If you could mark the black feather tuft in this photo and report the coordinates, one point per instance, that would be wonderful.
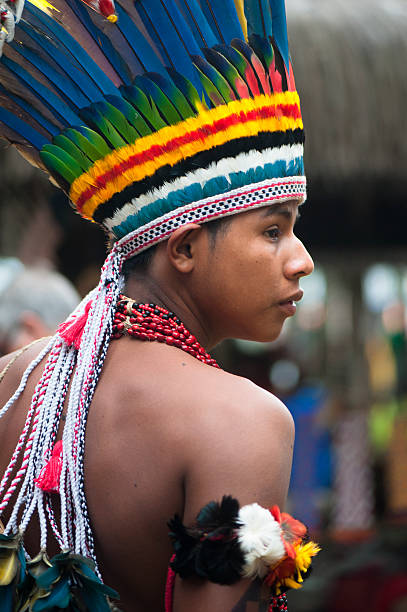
(215, 515)
(210, 549)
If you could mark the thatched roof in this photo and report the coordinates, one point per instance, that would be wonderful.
(350, 62)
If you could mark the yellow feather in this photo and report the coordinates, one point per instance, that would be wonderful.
(44, 6)
(8, 567)
(291, 583)
(239, 4)
(304, 554)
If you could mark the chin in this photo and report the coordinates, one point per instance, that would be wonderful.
(268, 335)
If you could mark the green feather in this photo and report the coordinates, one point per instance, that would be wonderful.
(219, 85)
(139, 100)
(226, 69)
(175, 96)
(92, 116)
(214, 95)
(242, 65)
(65, 143)
(89, 141)
(263, 49)
(132, 116)
(118, 120)
(186, 87)
(65, 157)
(57, 166)
(165, 107)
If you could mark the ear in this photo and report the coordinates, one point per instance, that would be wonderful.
(183, 245)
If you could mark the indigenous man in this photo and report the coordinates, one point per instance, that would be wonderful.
(168, 433)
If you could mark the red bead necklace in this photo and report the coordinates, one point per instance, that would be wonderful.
(152, 322)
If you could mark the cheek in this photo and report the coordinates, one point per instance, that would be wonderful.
(244, 282)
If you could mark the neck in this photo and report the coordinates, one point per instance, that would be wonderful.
(145, 290)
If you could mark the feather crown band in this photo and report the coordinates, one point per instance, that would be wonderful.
(144, 108)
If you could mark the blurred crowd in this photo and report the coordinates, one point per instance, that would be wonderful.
(33, 301)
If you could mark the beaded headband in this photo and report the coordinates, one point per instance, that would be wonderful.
(161, 114)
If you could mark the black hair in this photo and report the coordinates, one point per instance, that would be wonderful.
(141, 262)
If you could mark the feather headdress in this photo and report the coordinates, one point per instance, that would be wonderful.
(149, 114)
(152, 114)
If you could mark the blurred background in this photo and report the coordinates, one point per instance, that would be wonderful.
(341, 363)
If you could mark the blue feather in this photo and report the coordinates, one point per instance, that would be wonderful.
(259, 19)
(197, 22)
(175, 44)
(103, 42)
(145, 54)
(59, 597)
(7, 597)
(76, 77)
(280, 28)
(64, 84)
(63, 112)
(28, 108)
(22, 128)
(223, 19)
(57, 32)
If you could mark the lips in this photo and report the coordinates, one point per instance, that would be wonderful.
(295, 297)
(288, 305)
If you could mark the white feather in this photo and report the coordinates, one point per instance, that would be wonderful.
(260, 540)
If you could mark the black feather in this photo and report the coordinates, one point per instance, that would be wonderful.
(210, 549)
(214, 515)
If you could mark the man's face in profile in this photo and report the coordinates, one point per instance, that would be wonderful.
(250, 279)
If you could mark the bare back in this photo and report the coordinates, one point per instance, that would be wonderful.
(165, 435)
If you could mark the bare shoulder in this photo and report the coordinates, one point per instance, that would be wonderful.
(214, 397)
(220, 433)
(178, 389)
(225, 434)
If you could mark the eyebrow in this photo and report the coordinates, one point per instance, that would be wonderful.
(281, 209)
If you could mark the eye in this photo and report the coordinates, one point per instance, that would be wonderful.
(274, 233)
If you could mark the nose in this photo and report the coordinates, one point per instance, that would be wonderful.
(299, 263)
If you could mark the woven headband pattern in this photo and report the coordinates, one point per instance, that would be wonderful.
(240, 200)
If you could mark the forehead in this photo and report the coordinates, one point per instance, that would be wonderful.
(289, 210)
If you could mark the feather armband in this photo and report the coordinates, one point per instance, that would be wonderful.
(228, 543)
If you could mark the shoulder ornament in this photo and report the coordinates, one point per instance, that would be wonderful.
(229, 542)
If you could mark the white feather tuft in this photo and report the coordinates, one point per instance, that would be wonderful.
(260, 540)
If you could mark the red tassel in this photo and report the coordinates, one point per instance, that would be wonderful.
(48, 480)
(71, 331)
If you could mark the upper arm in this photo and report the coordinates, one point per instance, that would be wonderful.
(202, 596)
(242, 447)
